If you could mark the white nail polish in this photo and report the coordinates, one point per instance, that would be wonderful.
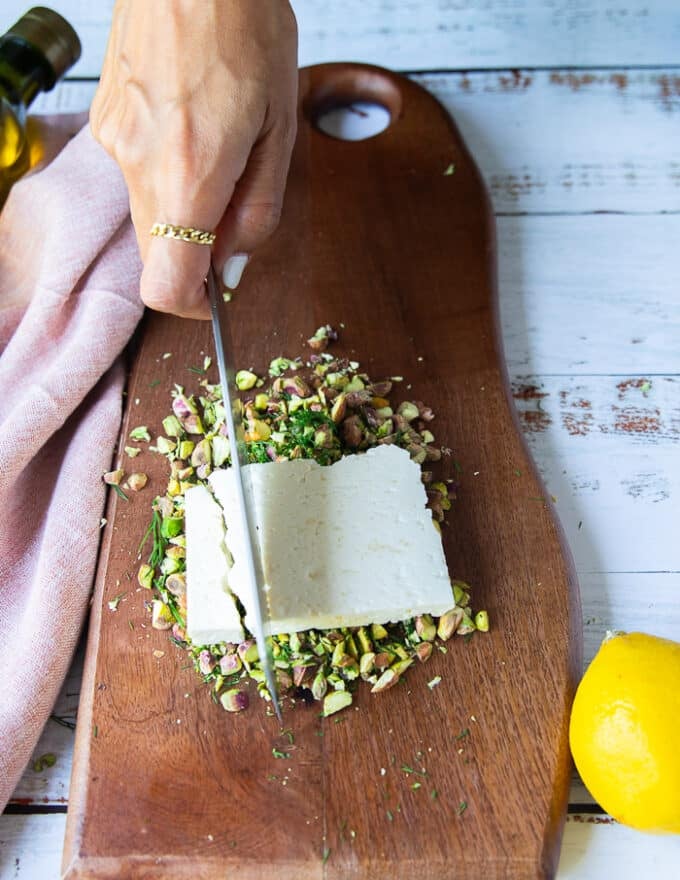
(233, 269)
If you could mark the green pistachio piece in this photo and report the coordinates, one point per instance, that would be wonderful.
(234, 700)
(161, 615)
(387, 680)
(335, 701)
(449, 622)
(164, 445)
(145, 576)
(319, 685)
(365, 644)
(367, 664)
(172, 526)
(426, 628)
(245, 380)
(186, 447)
(172, 426)
(408, 410)
(482, 621)
(140, 433)
(378, 632)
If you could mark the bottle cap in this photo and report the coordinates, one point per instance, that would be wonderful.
(49, 33)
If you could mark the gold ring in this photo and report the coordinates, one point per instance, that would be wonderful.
(182, 233)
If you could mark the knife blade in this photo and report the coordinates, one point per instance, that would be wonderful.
(234, 418)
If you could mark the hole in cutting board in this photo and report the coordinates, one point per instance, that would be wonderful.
(356, 121)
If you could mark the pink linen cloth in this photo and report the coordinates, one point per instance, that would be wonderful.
(69, 302)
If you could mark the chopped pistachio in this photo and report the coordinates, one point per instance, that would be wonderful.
(176, 584)
(449, 622)
(145, 576)
(386, 680)
(114, 478)
(227, 296)
(221, 450)
(132, 451)
(335, 701)
(378, 631)
(44, 761)
(482, 621)
(230, 663)
(140, 433)
(164, 445)
(245, 380)
(424, 651)
(432, 684)
(466, 626)
(137, 481)
(172, 426)
(319, 685)
(408, 410)
(425, 627)
(234, 700)
(171, 526)
(113, 603)
(202, 453)
(161, 615)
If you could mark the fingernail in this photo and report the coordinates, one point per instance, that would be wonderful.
(233, 269)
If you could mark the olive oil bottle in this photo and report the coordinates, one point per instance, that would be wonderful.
(34, 54)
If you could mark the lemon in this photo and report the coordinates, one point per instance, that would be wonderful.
(625, 730)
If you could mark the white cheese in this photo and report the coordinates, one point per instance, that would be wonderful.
(211, 611)
(344, 545)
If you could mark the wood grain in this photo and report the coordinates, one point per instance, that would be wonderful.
(440, 34)
(374, 237)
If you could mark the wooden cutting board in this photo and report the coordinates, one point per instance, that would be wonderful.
(377, 239)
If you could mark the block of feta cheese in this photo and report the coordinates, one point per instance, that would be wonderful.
(211, 611)
(349, 544)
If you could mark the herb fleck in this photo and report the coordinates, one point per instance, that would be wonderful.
(141, 432)
(119, 492)
(44, 761)
(434, 794)
(464, 732)
(462, 807)
(434, 682)
(325, 855)
(390, 816)
(277, 753)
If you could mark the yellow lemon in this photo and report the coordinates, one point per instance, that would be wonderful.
(625, 730)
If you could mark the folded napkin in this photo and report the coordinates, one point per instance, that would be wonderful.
(69, 302)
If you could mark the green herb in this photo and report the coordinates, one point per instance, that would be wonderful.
(95, 731)
(197, 370)
(434, 794)
(390, 816)
(289, 736)
(113, 603)
(464, 732)
(407, 769)
(44, 761)
(119, 492)
(518, 472)
(140, 433)
(416, 785)
(277, 753)
(325, 855)
(131, 624)
(462, 807)
(154, 383)
(64, 722)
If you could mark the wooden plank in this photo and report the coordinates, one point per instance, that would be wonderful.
(593, 847)
(597, 847)
(611, 461)
(570, 141)
(50, 786)
(324, 271)
(426, 35)
(30, 846)
(549, 141)
(592, 294)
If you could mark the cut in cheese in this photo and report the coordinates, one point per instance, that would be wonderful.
(345, 545)
(211, 611)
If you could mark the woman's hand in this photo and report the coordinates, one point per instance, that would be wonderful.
(198, 105)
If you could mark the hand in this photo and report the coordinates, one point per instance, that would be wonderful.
(198, 105)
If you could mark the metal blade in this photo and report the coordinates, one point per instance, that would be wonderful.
(234, 418)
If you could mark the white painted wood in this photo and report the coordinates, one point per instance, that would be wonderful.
(611, 458)
(441, 34)
(548, 141)
(590, 294)
(556, 141)
(51, 785)
(596, 848)
(31, 846)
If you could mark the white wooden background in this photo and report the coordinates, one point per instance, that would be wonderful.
(572, 109)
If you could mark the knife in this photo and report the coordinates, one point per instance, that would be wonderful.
(234, 418)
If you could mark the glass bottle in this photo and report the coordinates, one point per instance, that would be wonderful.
(34, 54)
